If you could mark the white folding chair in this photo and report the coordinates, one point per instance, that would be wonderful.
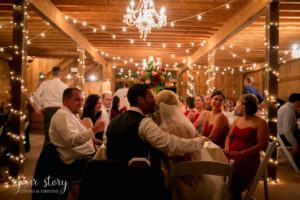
(261, 173)
(198, 168)
(287, 153)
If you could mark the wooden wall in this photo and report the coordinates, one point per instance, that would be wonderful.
(4, 81)
(289, 79)
(229, 83)
(35, 67)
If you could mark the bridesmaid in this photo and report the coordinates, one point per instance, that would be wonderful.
(216, 125)
(247, 137)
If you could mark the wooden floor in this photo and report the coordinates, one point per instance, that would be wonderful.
(287, 188)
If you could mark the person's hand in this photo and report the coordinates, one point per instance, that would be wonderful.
(236, 155)
(97, 143)
(226, 150)
(39, 111)
(98, 126)
(201, 140)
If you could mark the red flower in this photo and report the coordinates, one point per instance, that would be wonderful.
(157, 76)
(154, 83)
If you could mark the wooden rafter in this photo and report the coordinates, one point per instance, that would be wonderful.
(240, 20)
(48, 11)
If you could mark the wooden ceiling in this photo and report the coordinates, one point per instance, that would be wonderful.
(242, 26)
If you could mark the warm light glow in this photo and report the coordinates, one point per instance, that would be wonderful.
(92, 77)
(145, 17)
(295, 51)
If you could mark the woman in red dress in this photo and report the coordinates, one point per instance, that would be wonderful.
(200, 114)
(216, 126)
(247, 137)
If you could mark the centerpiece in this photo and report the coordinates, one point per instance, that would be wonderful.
(154, 75)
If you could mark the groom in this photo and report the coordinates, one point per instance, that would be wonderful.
(132, 134)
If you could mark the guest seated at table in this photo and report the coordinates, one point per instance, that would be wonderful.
(200, 114)
(91, 112)
(216, 125)
(72, 139)
(246, 139)
(232, 115)
(288, 127)
(191, 111)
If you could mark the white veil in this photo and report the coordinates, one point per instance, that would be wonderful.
(172, 118)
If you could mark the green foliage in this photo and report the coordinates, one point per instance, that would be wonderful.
(155, 76)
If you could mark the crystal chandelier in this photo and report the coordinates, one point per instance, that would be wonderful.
(145, 17)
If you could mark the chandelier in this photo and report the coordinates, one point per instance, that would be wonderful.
(145, 17)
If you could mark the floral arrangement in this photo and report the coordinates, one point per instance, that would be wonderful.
(155, 76)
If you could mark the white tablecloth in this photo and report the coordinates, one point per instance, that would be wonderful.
(212, 152)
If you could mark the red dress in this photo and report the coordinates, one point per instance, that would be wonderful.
(220, 141)
(245, 166)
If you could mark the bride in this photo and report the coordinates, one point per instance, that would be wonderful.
(175, 122)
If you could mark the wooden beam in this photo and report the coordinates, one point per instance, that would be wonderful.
(5, 56)
(240, 20)
(51, 53)
(47, 10)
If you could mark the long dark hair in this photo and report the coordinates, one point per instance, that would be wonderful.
(115, 103)
(89, 107)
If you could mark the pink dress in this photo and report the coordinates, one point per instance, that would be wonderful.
(219, 141)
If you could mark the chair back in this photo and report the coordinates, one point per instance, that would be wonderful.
(287, 154)
(198, 168)
(262, 170)
(115, 179)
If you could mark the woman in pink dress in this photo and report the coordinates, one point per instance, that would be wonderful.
(216, 126)
(247, 137)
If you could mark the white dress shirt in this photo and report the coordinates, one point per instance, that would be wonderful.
(49, 93)
(122, 94)
(105, 116)
(286, 122)
(72, 139)
(169, 144)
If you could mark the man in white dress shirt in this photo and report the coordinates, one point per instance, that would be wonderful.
(72, 139)
(106, 106)
(48, 98)
(287, 125)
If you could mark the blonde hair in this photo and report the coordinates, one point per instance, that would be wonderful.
(168, 97)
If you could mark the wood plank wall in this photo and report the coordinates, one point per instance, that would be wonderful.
(289, 79)
(35, 67)
(229, 83)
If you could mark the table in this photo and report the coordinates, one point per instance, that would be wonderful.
(212, 152)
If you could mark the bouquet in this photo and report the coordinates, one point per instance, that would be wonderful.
(155, 76)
